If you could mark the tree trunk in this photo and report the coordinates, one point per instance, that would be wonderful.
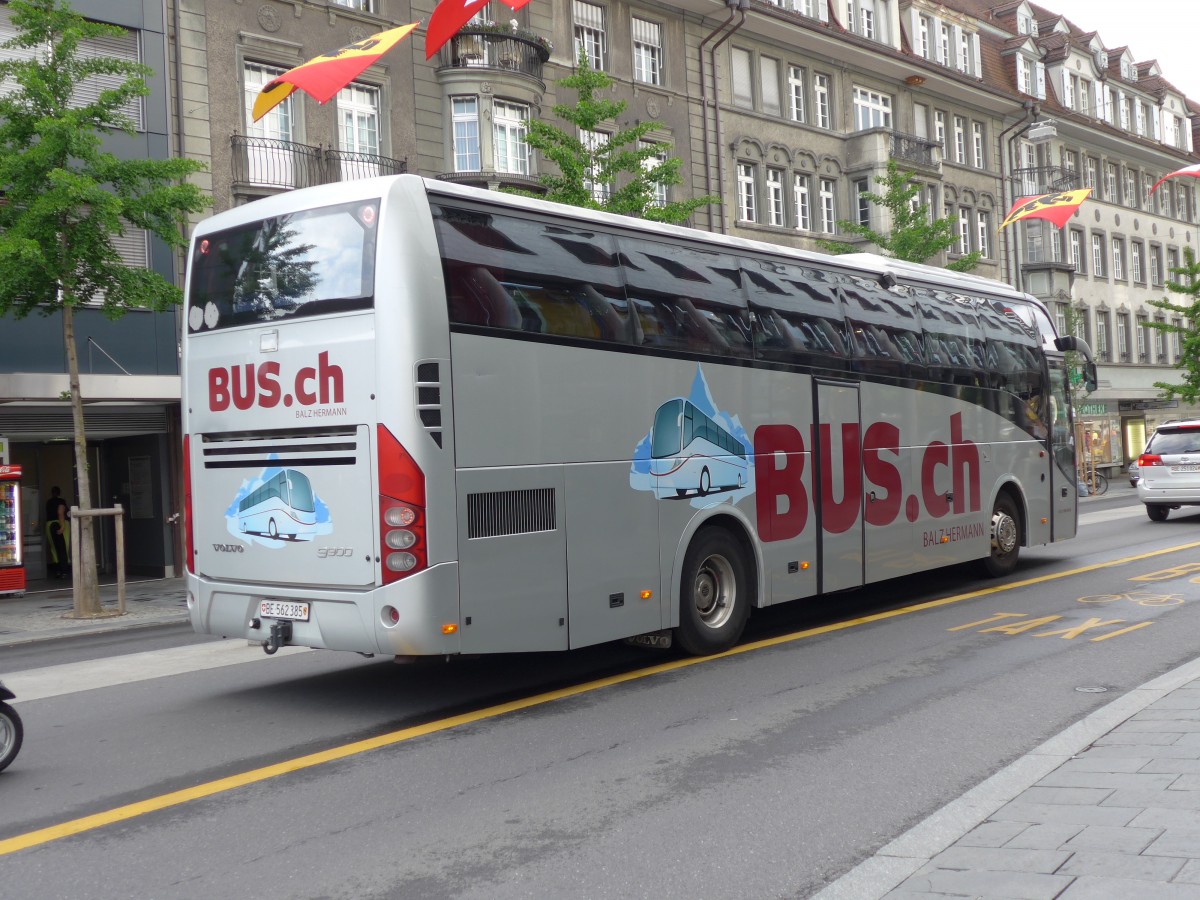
(87, 599)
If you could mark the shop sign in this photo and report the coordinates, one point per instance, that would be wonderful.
(1093, 409)
(1138, 405)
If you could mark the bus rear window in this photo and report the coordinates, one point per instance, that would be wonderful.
(306, 263)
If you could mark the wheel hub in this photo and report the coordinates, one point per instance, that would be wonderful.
(1004, 532)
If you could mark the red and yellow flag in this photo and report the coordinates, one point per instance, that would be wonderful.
(1056, 207)
(1193, 171)
(450, 16)
(325, 75)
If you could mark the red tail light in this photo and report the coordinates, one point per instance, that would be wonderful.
(402, 548)
(1149, 459)
(187, 505)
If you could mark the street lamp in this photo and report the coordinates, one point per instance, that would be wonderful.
(1036, 132)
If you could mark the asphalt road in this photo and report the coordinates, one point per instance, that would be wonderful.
(612, 772)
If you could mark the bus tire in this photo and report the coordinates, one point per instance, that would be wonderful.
(1157, 512)
(1005, 537)
(714, 596)
(705, 481)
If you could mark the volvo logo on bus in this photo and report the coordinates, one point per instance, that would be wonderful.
(264, 385)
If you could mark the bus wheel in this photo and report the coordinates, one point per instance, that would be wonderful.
(1005, 537)
(714, 599)
(705, 481)
(272, 530)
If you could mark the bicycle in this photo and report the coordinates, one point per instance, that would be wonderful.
(1141, 598)
(1095, 481)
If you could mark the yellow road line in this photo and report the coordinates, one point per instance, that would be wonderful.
(222, 785)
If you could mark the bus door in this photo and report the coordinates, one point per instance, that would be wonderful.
(1063, 474)
(838, 454)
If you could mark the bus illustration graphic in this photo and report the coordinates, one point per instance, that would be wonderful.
(694, 451)
(280, 507)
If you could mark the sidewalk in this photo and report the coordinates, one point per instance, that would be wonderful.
(42, 613)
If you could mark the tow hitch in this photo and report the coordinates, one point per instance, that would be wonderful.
(281, 633)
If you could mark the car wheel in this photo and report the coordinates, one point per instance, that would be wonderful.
(1157, 512)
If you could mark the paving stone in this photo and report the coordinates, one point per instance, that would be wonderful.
(1091, 888)
(1180, 698)
(1183, 842)
(1168, 751)
(1190, 739)
(1108, 764)
(991, 834)
(1019, 886)
(1081, 815)
(1119, 840)
(1189, 874)
(1186, 783)
(925, 895)
(1166, 818)
(1179, 715)
(1046, 836)
(993, 859)
(1166, 799)
(1065, 796)
(1150, 738)
(1172, 766)
(1114, 780)
(1122, 865)
(1177, 725)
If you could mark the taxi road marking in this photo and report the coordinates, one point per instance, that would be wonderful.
(232, 782)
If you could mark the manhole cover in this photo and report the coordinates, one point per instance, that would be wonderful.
(1092, 689)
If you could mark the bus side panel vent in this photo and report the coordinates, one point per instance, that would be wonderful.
(498, 513)
(429, 399)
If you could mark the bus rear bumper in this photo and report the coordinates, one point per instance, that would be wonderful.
(425, 607)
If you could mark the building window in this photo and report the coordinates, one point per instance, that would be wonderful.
(1155, 265)
(649, 164)
(589, 32)
(268, 164)
(1077, 251)
(943, 43)
(1123, 336)
(983, 230)
(821, 98)
(923, 26)
(1102, 351)
(363, 5)
(464, 113)
(828, 218)
(798, 108)
(509, 128)
(977, 143)
(768, 70)
(1098, 268)
(1110, 183)
(1089, 172)
(1143, 339)
(1160, 341)
(1118, 259)
(860, 17)
(1131, 197)
(1176, 339)
(647, 51)
(775, 196)
(960, 140)
(939, 129)
(746, 193)
(743, 80)
(1172, 265)
(359, 120)
(1135, 261)
(871, 109)
(964, 231)
(801, 198)
(863, 207)
(594, 142)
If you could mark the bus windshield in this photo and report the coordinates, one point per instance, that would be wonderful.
(305, 263)
(666, 439)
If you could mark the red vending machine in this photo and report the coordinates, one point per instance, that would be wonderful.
(12, 566)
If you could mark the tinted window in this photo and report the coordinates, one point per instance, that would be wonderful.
(686, 299)
(884, 329)
(797, 314)
(305, 263)
(520, 274)
(1170, 442)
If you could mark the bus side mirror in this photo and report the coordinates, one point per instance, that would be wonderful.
(1090, 379)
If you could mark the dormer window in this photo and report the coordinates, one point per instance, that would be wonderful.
(1026, 24)
(1127, 70)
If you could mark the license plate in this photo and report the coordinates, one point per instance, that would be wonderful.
(283, 609)
(1175, 469)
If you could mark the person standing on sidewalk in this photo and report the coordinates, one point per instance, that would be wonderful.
(57, 530)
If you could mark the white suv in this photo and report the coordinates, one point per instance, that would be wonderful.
(1170, 469)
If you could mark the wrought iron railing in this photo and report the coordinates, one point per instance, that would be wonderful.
(513, 52)
(1034, 180)
(913, 149)
(267, 162)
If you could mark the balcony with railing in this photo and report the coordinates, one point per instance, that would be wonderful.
(504, 50)
(270, 163)
(910, 149)
(1036, 180)
(872, 148)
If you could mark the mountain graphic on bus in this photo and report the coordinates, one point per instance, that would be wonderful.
(694, 451)
(278, 507)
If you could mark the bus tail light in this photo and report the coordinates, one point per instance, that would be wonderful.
(401, 510)
(1149, 459)
(189, 538)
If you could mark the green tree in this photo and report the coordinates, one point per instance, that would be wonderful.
(621, 160)
(915, 235)
(1187, 310)
(65, 198)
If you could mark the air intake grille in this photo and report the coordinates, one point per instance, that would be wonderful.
(510, 512)
(312, 447)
